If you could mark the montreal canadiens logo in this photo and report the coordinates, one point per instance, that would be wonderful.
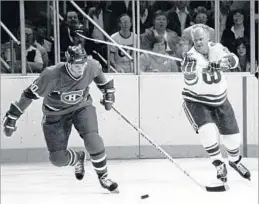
(72, 97)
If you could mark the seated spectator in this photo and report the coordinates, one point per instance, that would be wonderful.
(70, 20)
(224, 19)
(159, 29)
(124, 37)
(103, 17)
(33, 56)
(43, 40)
(242, 49)
(43, 52)
(153, 63)
(180, 18)
(201, 16)
(187, 33)
(181, 46)
(238, 28)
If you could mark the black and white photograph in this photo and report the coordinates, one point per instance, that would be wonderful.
(129, 102)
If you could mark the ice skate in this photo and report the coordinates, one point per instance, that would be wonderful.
(79, 166)
(109, 184)
(221, 170)
(240, 168)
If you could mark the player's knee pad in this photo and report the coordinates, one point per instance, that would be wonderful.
(208, 134)
(93, 143)
(232, 141)
(58, 158)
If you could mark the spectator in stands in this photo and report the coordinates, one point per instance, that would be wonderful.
(181, 46)
(159, 29)
(102, 17)
(238, 28)
(124, 37)
(242, 49)
(42, 38)
(34, 60)
(43, 52)
(201, 16)
(180, 18)
(70, 20)
(119, 8)
(224, 19)
(152, 63)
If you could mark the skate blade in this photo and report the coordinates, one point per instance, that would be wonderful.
(115, 191)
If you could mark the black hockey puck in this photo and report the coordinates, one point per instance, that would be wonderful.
(144, 196)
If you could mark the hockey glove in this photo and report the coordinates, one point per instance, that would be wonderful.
(229, 61)
(214, 66)
(108, 94)
(10, 119)
(188, 68)
(188, 65)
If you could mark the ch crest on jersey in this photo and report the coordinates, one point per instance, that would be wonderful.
(72, 97)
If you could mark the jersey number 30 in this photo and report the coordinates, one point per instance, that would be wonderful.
(212, 77)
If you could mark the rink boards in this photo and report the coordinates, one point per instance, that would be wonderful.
(153, 102)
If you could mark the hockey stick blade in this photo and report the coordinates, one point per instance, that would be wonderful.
(220, 188)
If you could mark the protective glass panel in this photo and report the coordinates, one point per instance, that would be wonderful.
(235, 31)
(10, 49)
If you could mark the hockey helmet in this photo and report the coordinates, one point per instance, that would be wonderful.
(76, 54)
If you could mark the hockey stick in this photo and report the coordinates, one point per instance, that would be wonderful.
(219, 188)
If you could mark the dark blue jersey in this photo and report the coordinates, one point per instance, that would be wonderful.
(61, 91)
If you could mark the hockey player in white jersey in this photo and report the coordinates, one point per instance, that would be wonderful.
(206, 104)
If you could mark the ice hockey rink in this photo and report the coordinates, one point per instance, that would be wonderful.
(42, 183)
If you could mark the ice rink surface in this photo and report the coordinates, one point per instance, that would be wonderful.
(45, 184)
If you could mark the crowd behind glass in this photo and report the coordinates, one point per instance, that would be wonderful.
(164, 28)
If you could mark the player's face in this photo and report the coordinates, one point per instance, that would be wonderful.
(78, 69)
(201, 40)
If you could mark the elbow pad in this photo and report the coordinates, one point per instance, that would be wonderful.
(108, 87)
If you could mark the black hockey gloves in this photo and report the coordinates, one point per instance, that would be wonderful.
(10, 119)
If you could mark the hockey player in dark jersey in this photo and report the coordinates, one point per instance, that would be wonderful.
(67, 102)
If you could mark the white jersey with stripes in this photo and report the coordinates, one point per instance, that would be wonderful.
(206, 87)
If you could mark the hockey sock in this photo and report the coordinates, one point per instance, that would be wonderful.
(209, 138)
(95, 147)
(73, 157)
(99, 163)
(232, 143)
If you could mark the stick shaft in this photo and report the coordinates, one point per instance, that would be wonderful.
(158, 148)
(131, 48)
(9, 33)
